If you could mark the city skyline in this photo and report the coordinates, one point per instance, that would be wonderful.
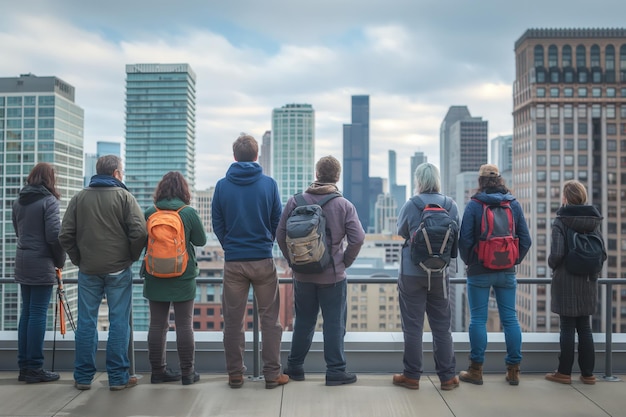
(414, 59)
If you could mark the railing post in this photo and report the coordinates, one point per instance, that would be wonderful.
(256, 351)
(608, 336)
(131, 344)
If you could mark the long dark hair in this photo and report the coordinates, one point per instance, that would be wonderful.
(172, 185)
(43, 174)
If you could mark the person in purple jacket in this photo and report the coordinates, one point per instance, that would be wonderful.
(325, 290)
(246, 209)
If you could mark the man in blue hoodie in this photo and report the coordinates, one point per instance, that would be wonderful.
(246, 210)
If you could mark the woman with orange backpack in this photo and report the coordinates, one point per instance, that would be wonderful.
(170, 269)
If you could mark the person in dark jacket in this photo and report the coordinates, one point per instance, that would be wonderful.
(36, 221)
(172, 193)
(574, 297)
(480, 280)
(246, 209)
(103, 233)
(327, 289)
(416, 294)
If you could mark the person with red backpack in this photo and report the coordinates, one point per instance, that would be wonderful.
(494, 238)
(170, 270)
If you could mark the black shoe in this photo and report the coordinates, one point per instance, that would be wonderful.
(191, 379)
(294, 373)
(21, 376)
(32, 376)
(167, 376)
(342, 378)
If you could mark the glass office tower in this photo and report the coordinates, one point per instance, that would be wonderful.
(160, 137)
(39, 122)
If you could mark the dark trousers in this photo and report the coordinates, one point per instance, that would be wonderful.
(586, 350)
(32, 326)
(157, 335)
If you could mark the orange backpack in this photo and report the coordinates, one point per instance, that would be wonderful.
(166, 253)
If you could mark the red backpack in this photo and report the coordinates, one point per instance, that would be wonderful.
(166, 252)
(498, 245)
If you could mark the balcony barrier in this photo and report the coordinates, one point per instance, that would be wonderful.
(378, 279)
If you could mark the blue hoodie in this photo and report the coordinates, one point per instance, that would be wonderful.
(470, 230)
(246, 209)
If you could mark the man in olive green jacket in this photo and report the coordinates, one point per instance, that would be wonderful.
(104, 232)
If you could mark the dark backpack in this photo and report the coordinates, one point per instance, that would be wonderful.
(585, 253)
(435, 237)
(498, 244)
(307, 246)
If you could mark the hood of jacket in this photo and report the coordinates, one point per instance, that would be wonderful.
(494, 196)
(581, 218)
(170, 204)
(244, 173)
(31, 193)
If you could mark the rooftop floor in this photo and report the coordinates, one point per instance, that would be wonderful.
(372, 395)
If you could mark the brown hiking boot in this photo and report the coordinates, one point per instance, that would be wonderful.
(559, 377)
(403, 381)
(450, 384)
(281, 380)
(512, 374)
(474, 374)
(588, 380)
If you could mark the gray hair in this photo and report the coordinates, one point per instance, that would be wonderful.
(107, 164)
(427, 179)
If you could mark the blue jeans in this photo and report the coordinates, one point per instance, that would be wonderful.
(32, 326)
(118, 291)
(415, 300)
(309, 298)
(478, 288)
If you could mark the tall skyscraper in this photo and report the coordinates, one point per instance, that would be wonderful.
(265, 157)
(417, 159)
(293, 148)
(102, 148)
(502, 156)
(160, 137)
(39, 122)
(356, 150)
(463, 146)
(160, 126)
(398, 192)
(570, 123)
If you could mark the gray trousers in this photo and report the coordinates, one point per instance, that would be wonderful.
(415, 300)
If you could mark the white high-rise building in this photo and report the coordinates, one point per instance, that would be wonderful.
(293, 150)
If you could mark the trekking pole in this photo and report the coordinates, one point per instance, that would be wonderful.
(54, 330)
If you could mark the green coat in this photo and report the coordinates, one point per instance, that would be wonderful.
(181, 288)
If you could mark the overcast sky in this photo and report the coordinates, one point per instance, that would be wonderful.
(414, 58)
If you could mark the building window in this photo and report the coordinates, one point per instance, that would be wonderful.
(622, 111)
(568, 144)
(555, 144)
(539, 60)
(541, 128)
(568, 91)
(582, 160)
(554, 128)
(582, 91)
(611, 129)
(568, 128)
(611, 162)
(541, 176)
(555, 160)
(568, 160)
(541, 144)
(596, 92)
(610, 111)
(541, 208)
(568, 111)
(610, 92)
(541, 111)
(554, 91)
(554, 111)
(582, 176)
(582, 130)
(541, 92)
(541, 160)
(555, 176)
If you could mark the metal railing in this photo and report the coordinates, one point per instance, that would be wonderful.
(379, 279)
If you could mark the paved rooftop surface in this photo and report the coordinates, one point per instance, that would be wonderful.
(372, 395)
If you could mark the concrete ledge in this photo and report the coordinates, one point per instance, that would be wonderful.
(375, 352)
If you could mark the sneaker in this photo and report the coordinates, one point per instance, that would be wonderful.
(450, 384)
(588, 380)
(82, 387)
(21, 376)
(235, 381)
(403, 381)
(342, 378)
(281, 380)
(32, 376)
(132, 382)
(167, 376)
(190, 379)
(559, 377)
(297, 374)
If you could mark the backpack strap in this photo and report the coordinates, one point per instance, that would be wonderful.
(419, 203)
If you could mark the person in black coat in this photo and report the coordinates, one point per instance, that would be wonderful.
(36, 221)
(574, 297)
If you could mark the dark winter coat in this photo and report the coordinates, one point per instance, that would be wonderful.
(470, 230)
(181, 288)
(36, 221)
(572, 295)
